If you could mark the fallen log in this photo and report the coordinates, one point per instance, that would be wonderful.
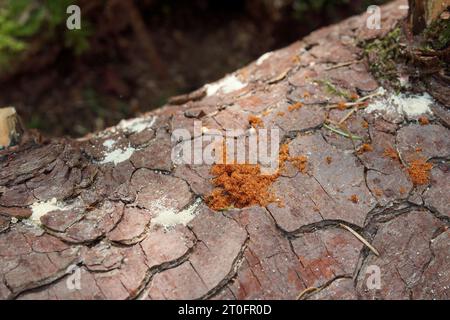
(356, 211)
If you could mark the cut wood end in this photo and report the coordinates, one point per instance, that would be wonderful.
(10, 127)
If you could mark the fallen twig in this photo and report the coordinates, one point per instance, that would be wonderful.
(358, 103)
(400, 158)
(337, 131)
(346, 105)
(279, 77)
(347, 116)
(347, 131)
(377, 93)
(306, 291)
(343, 64)
(360, 238)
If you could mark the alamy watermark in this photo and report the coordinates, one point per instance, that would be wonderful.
(373, 281)
(73, 281)
(374, 19)
(232, 146)
(73, 22)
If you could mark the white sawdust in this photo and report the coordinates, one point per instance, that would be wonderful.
(168, 217)
(136, 125)
(263, 58)
(118, 155)
(41, 208)
(409, 105)
(228, 84)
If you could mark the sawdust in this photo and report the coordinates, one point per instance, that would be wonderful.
(390, 152)
(419, 171)
(295, 106)
(354, 198)
(423, 120)
(255, 122)
(365, 124)
(354, 96)
(342, 105)
(240, 185)
(243, 185)
(365, 148)
(300, 162)
(283, 156)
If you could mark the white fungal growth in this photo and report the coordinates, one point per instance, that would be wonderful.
(263, 58)
(226, 85)
(41, 208)
(118, 155)
(109, 143)
(168, 217)
(136, 125)
(408, 105)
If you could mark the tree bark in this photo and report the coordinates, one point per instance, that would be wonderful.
(111, 216)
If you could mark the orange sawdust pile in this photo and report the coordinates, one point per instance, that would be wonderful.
(295, 106)
(300, 162)
(364, 124)
(419, 171)
(243, 185)
(354, 198)
(240, 185)
(283, 156)
(365, 148)
(342, 105)
(255, 121)
(424, 121)
(391, 153)
(354, 96)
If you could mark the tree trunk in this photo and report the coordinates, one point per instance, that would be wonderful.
(428, 23)
(422, 13)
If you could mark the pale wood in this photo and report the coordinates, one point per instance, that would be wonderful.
(9, 127)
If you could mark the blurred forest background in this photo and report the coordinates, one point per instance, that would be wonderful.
(130, 56)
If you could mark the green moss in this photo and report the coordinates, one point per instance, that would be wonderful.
(23, 20)
(330, 88)
(437, 35)
(383, 55)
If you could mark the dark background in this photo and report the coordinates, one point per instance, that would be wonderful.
(74, 82)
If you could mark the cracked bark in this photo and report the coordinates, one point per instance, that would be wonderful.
(108, 212)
